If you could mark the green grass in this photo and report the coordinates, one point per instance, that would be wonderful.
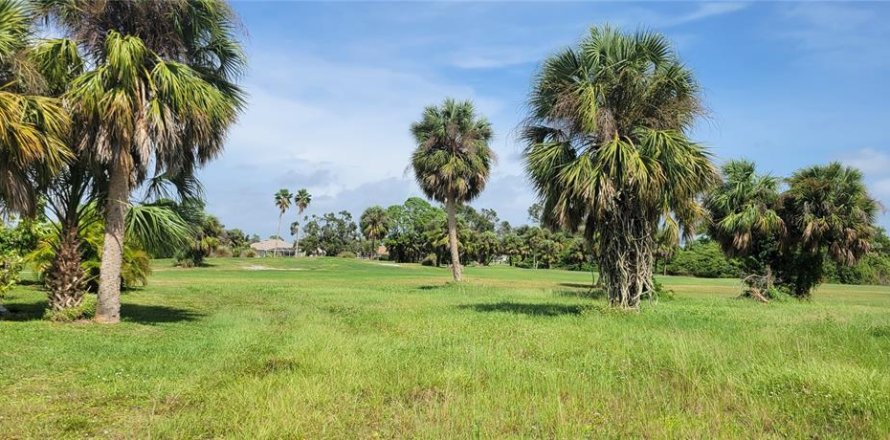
(347, 349)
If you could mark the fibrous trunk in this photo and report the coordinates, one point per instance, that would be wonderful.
(108, 307)
(626, 256)
(65, 278)
(452, 239)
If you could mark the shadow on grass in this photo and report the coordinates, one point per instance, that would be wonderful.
(432, 286)
(138, 313)
(151, 314)
(581, 291)
(540, 309)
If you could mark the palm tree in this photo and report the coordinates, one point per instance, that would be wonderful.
(32, 125)
(745, 224)
(160, 93)
(282, 201)
(828, 212)
(302, 199)
(452, 160)
(608, 154)
(374, 224)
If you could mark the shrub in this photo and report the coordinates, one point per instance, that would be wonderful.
(223, 252)
(86, 310)
(10, 268)
(429, 260)
(702, 258)
(135, 269)
(346, 254)
(247, 253)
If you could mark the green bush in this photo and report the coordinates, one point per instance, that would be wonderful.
(703, 258)
(248, 253)
(223, 252)
(871, 269)
(346, 254)
(10, 268)
(86, 310)
(429, 260)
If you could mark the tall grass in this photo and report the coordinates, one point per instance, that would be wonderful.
(338, 348)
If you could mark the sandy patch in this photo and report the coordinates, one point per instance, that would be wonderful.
(261, 267)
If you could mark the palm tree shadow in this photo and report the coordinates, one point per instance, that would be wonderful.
(152, 314)
(538, 309)
(137, 313)
(579, 290)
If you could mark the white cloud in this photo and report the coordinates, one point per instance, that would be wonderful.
(339, 128)
(870, 161)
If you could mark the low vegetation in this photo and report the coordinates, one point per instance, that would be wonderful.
(333, 348)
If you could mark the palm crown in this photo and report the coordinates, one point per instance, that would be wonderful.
(32, 127)
(282, 200)
(302, 199)
(742, 207)
(453, 158)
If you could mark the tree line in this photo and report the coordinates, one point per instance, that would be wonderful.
(103, 128)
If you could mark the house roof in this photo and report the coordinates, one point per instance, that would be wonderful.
(269, 245)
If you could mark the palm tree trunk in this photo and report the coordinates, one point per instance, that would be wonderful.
(452, 239)
(65, 278)
(297, 244)
(278, 234)
(109, 305)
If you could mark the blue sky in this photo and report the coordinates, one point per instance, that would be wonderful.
(334, 88)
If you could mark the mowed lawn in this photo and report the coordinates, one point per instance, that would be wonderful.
(335, 348)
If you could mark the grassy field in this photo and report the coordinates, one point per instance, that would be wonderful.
(333, 348)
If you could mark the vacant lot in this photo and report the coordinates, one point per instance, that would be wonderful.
(270, 348)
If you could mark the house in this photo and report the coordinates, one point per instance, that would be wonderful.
(273, 247)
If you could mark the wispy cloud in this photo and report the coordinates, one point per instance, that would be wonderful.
(844, 36)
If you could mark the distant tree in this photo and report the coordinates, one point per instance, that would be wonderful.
(410, 223)
(282, 202)
(302, 199)
(513, 246)
(534, 213)
(452, 160)
(332, 233)
(374, 224)
(503, 228)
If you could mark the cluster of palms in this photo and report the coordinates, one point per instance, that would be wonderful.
(134, 95)
(608, 153)
(301, 201)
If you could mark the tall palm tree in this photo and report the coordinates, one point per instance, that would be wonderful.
(452, 160)
(302, 199)
(32, 126)
(160, 93)
(828, 212)
(282, 201)
(608, 154)
(374, 224)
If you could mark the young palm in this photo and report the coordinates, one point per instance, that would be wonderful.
(282, 201)
(608, 154)
(302, 199)
(160, 94)
(374, 224)
(452, 160)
